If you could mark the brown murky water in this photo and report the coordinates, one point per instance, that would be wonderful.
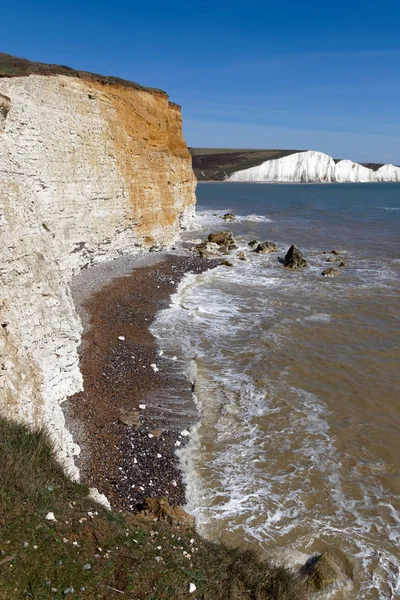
(298, 379)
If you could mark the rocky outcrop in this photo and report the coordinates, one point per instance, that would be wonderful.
(266, 248)
(326, 570)
(331, 272)
(314, 167)
(89, 170)
(222, 238)
(294, 259)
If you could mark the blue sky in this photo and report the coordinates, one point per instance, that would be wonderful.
(305, 74)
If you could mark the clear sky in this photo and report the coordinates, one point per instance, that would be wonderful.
(302, 74)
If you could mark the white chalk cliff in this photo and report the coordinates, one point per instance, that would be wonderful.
(88, 171)
(315, 167)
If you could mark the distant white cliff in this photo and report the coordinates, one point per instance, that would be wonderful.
(315, 167)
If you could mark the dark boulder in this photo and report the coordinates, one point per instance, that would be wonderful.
(266, 247)
(229, 218)
(294, 259)
(325, 570)
(252, 243)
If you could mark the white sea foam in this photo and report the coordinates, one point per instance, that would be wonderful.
(319, 318)
(214, 218)
(253, 461)
(389, 207)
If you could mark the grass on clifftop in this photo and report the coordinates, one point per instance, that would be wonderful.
(12, 66)
(89, 552)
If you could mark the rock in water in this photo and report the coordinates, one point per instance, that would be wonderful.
(331, 272)
(229, 218)
(294, 259)
(266, 247)
(226, 263)
(252, 243)
(323, 571)
(222, 238)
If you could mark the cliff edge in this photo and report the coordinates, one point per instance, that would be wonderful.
(91, 167)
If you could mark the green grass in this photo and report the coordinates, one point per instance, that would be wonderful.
(96, 552)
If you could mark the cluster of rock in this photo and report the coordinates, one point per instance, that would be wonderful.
(335, 258)
(294, 259)
(222, 243)
(217, 244)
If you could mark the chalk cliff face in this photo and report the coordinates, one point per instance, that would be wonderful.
(315, 167)
(88, 171)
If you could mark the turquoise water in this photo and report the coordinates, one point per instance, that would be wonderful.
(297, 378)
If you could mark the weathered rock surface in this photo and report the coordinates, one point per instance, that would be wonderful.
(222, 238)
(324, 571)
(252, 243)
(88, 171)
(5, 105)
(159, 509)
(330, 272)
(130, 419)
(266, 247)
(294, 259)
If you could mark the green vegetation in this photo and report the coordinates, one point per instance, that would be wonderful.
(100, 554)
(12, 66)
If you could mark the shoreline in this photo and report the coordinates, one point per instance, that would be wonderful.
(129, 418)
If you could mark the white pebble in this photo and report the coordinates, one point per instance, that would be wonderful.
(174, 358)
(121, 338)
(154, 367)
(177, 443)
(142, 406)
(150, 435)
(159, 455)
(161, 352)
(192, 588)
(185, 433)
(50, 517)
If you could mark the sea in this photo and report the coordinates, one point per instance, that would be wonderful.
(297, 378)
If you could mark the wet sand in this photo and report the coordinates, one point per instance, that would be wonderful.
(128, 451)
